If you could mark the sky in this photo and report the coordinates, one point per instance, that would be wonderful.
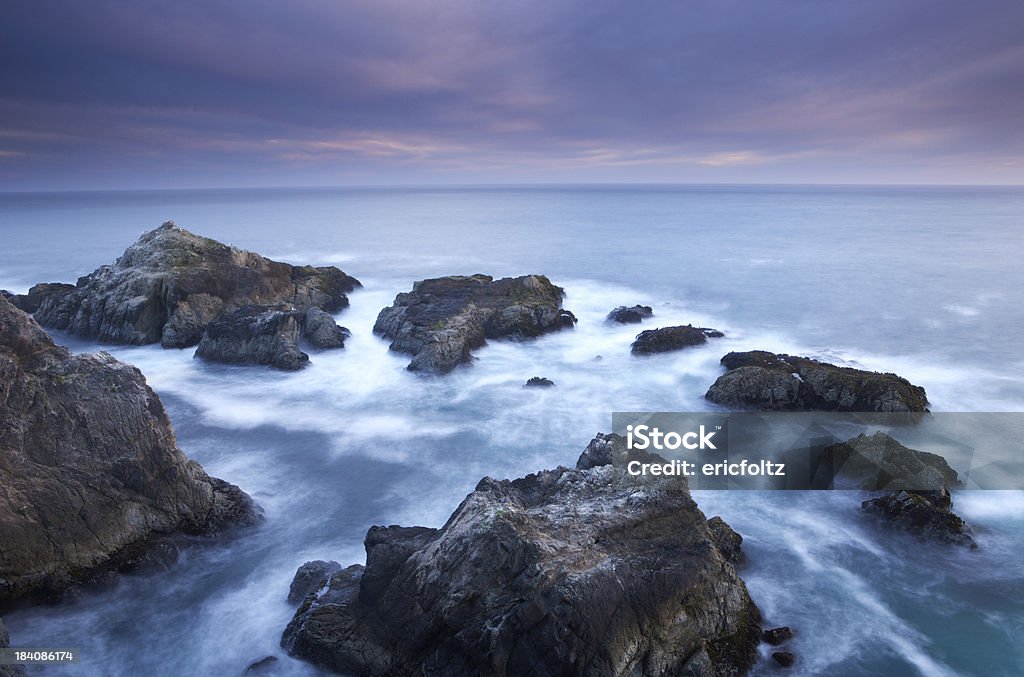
(146, 94)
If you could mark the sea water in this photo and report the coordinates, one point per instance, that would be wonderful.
(924, 282)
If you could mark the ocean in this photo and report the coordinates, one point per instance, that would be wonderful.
(926, 282)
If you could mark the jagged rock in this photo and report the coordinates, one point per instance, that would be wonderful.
(5, 641)
(170, 284)
(263, 666)
(665, 339)
(442, 320)
(880, 463)
(539, 382)
(309, 577)
(255, 335)
(728, 542)
(925, 513)
(784, 658)
(320, 329)
(567, 571)
(763, 380)
(90, 472)
(777, 636)
(31, 301)
(633, 315)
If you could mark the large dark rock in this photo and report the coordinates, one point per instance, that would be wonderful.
(927, 514)
(777, 636)
(442, 320)
(171, 284)
(31, 301)
(566, 572)
(320, 329)
(763, 380)
(255, 335)
(630, 315)
(666, 339)
(90, 472)
(539, 382)
(880, 463)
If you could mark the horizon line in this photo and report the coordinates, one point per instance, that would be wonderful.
(513, 184)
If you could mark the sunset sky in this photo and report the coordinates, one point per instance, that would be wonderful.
(141, 94)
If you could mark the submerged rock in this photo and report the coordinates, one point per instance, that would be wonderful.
(665, 339)
(784, 658)
(631, 315)
(31, 301)
(171, 284)
(90, 469)
(763, 380)
(442, 320)
(263, 666)
(567, 571)
(539, 382)
(309, 577)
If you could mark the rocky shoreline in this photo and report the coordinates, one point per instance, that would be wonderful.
(584, 570)
(90, 471)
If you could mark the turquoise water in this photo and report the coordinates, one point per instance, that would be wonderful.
(925, 282)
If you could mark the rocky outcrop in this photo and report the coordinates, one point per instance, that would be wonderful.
(255, 335)
(763, 380)
(31, 301)
(880, 463)
(321, 331)
(569, 571)
(777, 636)
(928, 514)
(728, 542)
(90, 472)
(539, 382)
(171, 284)
(442, 320)
(630, 315)
(308, 578)
(666, 339)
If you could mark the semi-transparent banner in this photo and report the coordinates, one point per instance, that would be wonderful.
(827, 450)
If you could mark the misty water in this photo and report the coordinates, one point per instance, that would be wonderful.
(924, 282)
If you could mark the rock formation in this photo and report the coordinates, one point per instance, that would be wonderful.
(763, 380)
(928, 514)
(665, 339)
(442, 320)
(539, 382)
(879, 462)
(90, 471)
(171, 285)
(568, 571)
(308, 578)
(630, 315)
(31, 301)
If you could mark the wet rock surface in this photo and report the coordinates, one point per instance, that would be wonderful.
(763, 380)
(255, 335)
(666, 339)
(90, 470)
(309, 577)
(926, 514)
(630, 315)
(31, 301)
(539, 382)
(442, 320)
(567, 571)
(171, 284)
(878, 462)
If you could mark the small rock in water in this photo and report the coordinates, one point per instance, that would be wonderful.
(262, 665)
(777, 636)
(665, 339)
(634, 315)
(539, 382)
(784, 658)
